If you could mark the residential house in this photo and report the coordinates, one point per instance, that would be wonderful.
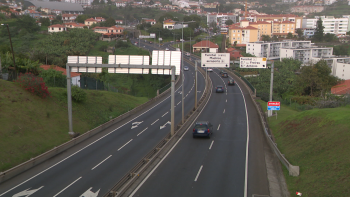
(120, 3)
(119, 22)
(74, 25)
(168, 24)
(234, 53)
(150, 21)
(90, 21)
(307, 9)
(205, 46)
(56, 28)
(243, 33)
(57, 12)
(100, 19)
(69, 18)
(32, 13)
(46, 10)
(75, 77)
(263, 27)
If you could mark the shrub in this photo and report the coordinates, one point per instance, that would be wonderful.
(78, 94)
(33, 84)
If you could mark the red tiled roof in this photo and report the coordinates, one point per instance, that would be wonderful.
(342, 88)
(57, 25)
(206, 43)
(90, 19)
(47, 67)
(168, 21)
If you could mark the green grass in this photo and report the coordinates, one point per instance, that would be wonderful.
(317, 140)
(31, 125)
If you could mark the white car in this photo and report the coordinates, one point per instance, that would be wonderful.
(209, 69)
(188, 54)
(186, 68)
(167, 49)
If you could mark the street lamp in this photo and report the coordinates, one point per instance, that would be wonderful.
(13, 54)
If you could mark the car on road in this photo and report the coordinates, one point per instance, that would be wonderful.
(150, 42)
(231, 82)
(224, 74)
(188, 54)
(209, 69)
(202, 129)
(219, 89)
(167, 49)
(186, 68)
(221, 71)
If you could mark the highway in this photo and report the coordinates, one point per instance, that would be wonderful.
(220, 166)
(93, 167)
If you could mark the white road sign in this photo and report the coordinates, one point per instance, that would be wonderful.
(215, 60)
(253, 62)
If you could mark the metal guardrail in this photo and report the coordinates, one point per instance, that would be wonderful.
(129, 178)
(246, 81)
(293, 170)
(51, 153)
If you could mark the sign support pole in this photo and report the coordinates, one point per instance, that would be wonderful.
(195, 85)
(269, 112)
(172, 130)
(69, 98)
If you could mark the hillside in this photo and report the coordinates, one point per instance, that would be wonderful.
(31, 125)
(318, 141)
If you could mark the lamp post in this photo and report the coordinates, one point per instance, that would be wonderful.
(13, 54)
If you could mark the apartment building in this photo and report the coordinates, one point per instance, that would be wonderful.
(243, 33)
(337, 26)
(298, 20)
(305, 55)
(340, 66)
(220, 18)
(283, 28)
(263, 27)
(271, 50)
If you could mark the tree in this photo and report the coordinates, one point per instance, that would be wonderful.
(44, 21)
(319, 31)
(315, 80)
(330, 37)
(81, 18)
(274, 38)
(289, 35)
(265, 38)
(229, 22)
(300, 33)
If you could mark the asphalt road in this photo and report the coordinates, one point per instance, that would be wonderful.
(93, 167)
(220, 166)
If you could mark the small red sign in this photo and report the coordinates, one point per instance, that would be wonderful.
(273, 103)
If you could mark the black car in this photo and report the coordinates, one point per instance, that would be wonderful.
(224, 74)
(202, 129)
(231, 82)
(221, 71)
(220, 89)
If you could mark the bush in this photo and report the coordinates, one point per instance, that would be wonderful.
(33, 84)
(78, 94)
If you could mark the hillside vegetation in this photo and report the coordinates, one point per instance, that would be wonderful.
(31, 125)
(317, 140)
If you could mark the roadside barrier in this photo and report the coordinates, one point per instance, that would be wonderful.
(293, 170)
(51, 153)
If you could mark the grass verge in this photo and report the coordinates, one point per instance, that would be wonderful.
(31, 125)
(317, 140)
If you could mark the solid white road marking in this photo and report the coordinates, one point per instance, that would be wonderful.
(125, 145)
(211, 144)
(226, 100)
(27, 192)
(199, 171)
(163, 126)
(101, 162)
(135, 124)
(218, 127)
(223, 111)
(89, 193)
(178, 103)
(142, 131)
(165, 114)
(67, 187)
(154, 122)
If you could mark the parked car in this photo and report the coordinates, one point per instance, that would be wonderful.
(186, 68)
(231, 82)
(219, 89)
(202, 129)
(224, 74)
(150, 42)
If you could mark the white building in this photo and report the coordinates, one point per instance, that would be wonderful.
(56, 28)
(220, 18)
(340, 66)
(271, 50)
(305, 55)
(331, 25)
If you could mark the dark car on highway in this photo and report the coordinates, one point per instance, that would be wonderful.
(220, 89)
(202, 129)
(225, 75)
(231, 82)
